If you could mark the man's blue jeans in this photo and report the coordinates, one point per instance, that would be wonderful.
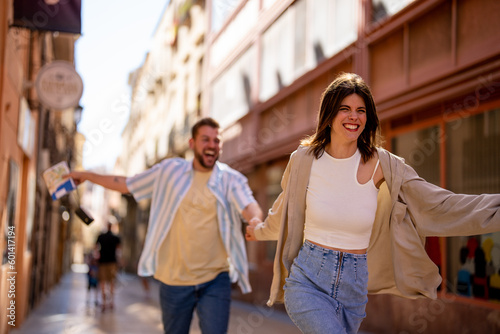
(211, 300)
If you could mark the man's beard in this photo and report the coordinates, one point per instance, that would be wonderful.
(200, 159)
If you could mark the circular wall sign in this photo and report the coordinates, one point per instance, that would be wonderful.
(58, 85)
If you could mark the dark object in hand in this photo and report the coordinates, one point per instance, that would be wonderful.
(84, 216)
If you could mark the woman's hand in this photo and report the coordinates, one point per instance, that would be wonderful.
(250, 230)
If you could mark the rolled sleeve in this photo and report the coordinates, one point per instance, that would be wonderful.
(241, 194)
(141, 186)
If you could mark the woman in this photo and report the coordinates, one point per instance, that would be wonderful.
(336, 219)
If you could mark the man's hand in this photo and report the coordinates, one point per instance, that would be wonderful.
(250, 230)
(78, 177)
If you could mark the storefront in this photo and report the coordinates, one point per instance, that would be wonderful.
(434, 70)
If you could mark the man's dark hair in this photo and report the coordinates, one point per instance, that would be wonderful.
(204, 121)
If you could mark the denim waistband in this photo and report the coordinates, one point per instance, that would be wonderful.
(312, 246)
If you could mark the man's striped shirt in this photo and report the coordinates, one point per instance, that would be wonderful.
(166, 184)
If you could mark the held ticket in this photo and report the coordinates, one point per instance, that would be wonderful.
(57, 185)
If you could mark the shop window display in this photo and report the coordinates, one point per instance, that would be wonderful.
(472, 167)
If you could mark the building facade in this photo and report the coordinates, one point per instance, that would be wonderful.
(37, 232)
(166, 102)
(434, 69)
(260, 66)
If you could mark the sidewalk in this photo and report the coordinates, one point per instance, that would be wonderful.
(64, 310)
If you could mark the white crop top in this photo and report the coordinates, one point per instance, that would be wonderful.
(339, 211)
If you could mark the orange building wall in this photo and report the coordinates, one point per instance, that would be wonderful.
(14, 59)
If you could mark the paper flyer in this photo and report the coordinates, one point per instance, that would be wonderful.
(57, 185)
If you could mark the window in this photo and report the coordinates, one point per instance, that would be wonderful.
(221, 10)
(277, 58)
(237, 29)
(421, 150)
(472, 167)
(231, 93)
(307, 33)
(333, 27)
(11, 207)
(384, 8)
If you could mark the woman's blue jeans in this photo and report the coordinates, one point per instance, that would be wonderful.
(211, 300)
(326, 291)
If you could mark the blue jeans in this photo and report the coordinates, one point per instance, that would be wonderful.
(326, 291)
(211, 300)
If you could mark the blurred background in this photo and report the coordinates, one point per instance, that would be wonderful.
(142, 73)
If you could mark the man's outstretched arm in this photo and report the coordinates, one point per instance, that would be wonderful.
(252, 211)
(113, 182)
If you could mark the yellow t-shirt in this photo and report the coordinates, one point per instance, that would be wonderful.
(193, 252)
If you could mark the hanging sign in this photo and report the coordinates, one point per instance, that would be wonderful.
(58, 85)
(48, 15)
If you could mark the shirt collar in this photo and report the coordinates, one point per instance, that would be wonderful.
(218, 167)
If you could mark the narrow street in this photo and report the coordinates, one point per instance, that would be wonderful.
(65, 311)
(140, 113)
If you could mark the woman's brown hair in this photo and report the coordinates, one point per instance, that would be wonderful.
(344, 85)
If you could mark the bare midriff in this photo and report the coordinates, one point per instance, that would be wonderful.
(352, 251)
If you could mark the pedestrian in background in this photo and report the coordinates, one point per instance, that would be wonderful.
(194, 244)
(108, 245)
(92, 280)
(330, 215)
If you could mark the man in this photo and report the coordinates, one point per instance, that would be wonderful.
(194, 245)
(108, 245)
